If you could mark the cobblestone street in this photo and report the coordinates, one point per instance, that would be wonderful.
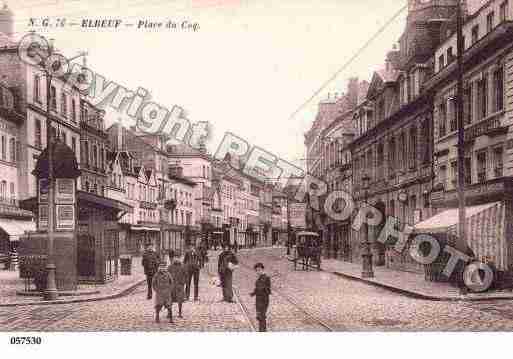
(307, 301)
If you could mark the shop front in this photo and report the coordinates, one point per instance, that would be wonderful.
(14, 222)
(489, 215)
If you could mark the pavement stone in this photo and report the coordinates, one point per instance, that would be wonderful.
(412, 284)
(10, 283)
(342, 304)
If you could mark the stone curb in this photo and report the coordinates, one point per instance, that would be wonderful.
(413, 294)
(125, 291)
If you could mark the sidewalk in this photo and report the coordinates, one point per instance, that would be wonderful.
(10, 283)
(409, 284)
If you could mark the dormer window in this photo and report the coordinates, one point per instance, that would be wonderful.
(475, 34)
(441, 62)
(450, 56)
(490, 21)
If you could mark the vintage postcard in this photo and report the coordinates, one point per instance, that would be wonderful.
(255, 166)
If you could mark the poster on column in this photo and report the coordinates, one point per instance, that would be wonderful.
(65, 193)
(43, 190)
(43, 217)
(65, 216)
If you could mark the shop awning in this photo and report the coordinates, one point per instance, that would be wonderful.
(444, 221)
(15, 228)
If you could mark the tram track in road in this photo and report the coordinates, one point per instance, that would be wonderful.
(283, 314)
(242, 306)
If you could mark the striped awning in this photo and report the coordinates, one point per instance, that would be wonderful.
(16, 228)
(446, 220)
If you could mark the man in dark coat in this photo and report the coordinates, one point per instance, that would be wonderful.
(150, 262)
(262, 291)
(191, 261)
(179, 275)
(226, 265)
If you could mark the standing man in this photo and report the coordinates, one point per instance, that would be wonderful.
(227, 263)
(150, 262)
(262, 291)
(191, 261)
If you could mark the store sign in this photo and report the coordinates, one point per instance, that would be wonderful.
(298, 215)
(44, 188)
(65, 216)
(65, 193)
(43, 217)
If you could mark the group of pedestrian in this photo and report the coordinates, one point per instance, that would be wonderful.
(172, 284)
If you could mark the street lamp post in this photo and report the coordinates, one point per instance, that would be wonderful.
(50, 292)
(367, 271)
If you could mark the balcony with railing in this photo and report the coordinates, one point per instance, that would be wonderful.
(492, 126)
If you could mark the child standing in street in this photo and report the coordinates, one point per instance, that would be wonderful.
(262, 292)
(163, 285)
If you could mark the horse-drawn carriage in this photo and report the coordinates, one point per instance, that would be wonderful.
(307, 250)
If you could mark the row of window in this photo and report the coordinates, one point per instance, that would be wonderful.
(448, 57)
(478, 168)
(8, 148)
(94, 187)
(7, 192)
(480, 100)
(228, 191)
(93, 155)
(404, 154)
(64, 111)
(62, 135)
(148, 215)
(181, 217)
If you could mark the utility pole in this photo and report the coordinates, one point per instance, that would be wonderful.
(461, 128)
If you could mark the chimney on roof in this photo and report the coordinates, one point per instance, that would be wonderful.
(120, 135)
(352, 91)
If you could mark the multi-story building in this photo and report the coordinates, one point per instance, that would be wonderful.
(30, 86)
(13, 220)
(331, 132)
(196, 167)
(393, 146)
(122, 186)
(338, 176)
(94, 146)
(488, 105)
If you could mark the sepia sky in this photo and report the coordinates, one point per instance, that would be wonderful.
(247, 69)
